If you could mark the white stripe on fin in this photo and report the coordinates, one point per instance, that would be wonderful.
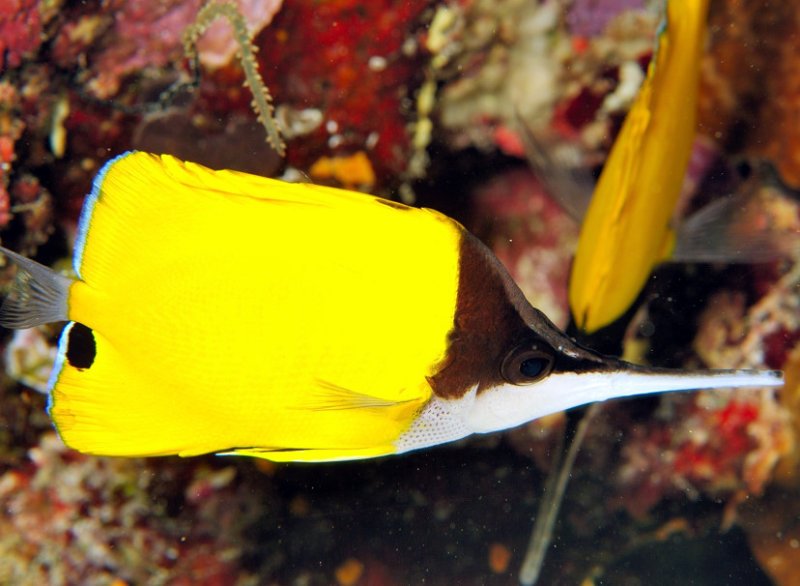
(38, 295)
(58, 365)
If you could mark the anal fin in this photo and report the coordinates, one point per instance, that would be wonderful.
(312, 455)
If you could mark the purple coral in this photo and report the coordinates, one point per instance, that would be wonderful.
(588, 18)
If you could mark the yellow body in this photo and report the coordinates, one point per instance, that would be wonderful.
(238, 313)
(626, 231)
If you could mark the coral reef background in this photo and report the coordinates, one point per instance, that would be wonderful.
(419, 101)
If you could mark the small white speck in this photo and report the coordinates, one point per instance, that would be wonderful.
(377, 63)
(335, 140)
(406, 193)
(409, 47)
(372, 140)
(331, 126)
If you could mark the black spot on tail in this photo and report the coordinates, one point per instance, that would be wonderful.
(81, 348)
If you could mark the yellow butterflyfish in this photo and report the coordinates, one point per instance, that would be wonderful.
(626, 231)
(221, 312)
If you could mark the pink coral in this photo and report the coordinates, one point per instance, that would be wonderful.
(20, 31)
(590, 17)
(721, 443)
(149, 34)
(66, 518)
(532, 235)
(710, 444)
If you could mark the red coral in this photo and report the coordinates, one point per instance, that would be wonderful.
(571, 116)
(20, 31)
(727, 450)
(6, 150)
(346, 59)
(724, 448)
(777, 346)
(531, 235)
(71, 518)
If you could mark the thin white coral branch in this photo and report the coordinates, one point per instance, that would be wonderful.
(262, 100)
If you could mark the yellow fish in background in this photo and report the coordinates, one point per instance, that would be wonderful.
(216, 311)
(626, 231)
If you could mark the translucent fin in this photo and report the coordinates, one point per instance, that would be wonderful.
(552, 497)
(336, 397)
(316, 455)
(38, 295)
(744, 227)
(561, 168)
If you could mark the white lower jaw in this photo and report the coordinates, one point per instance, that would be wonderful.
(439, 422)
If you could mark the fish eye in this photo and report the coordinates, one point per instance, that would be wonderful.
(532, 367)
(525, 365)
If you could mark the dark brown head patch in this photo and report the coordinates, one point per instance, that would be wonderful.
(486, 324)
(492, 319)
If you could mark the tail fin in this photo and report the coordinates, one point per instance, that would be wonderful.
(38, 295)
